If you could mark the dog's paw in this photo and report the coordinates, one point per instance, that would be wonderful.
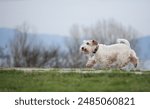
(89, 65)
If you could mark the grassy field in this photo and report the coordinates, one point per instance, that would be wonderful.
(58, 80)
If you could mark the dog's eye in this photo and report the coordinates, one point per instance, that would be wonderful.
(87, 43)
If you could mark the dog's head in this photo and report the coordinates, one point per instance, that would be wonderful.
(88, 46)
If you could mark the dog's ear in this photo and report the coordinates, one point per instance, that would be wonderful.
(94, 42)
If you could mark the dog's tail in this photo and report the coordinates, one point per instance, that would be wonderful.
(123, 41)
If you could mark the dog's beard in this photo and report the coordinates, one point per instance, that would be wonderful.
(85, 52)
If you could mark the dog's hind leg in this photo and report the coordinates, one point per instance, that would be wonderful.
(134, 59)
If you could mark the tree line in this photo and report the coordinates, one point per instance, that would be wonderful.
(26, 51)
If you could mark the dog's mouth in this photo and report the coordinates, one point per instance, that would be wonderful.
(85, 52)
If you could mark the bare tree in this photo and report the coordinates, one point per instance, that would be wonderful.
(1, 51)
(1, 56)
(26, 52)
(74, 57)
(108, 31)
(4, 58)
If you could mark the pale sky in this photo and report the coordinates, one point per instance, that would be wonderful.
(57, 16)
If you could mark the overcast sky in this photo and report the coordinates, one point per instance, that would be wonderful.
(57, 16)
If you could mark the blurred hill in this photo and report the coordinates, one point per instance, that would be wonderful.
(7, 34)
(143, 51)
(143, 47)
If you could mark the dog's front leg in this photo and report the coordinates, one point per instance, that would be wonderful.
(91, 62)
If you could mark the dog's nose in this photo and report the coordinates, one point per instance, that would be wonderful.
(82, 48)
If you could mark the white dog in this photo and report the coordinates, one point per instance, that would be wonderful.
(116, 55)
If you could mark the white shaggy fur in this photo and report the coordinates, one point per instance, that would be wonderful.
(116, 55)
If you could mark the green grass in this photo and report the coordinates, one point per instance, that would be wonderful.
(54, 81)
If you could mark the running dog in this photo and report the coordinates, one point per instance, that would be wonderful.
(116, 55)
